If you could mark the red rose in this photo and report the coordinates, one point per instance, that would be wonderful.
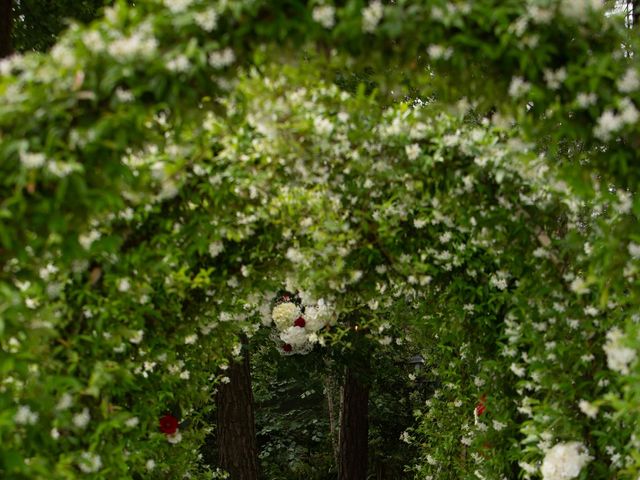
(168, 424)
(287, 348)
(481, 407)
(299, 322)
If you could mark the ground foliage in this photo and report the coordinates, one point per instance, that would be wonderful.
(168, 169)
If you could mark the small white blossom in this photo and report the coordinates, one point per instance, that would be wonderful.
(619, 356)
(25, 416)
(413, 151)
(65, 402)
(207, 20)
(325, 15)
(221, 59)
(564, 461)
(215, 248)
(517, 370)
(137, 337)
(608, 123)
(32, 160)
(630, 81)
(81, 420)
(90, 462)
(371, 16)
(437, 52)
(132, 422)
(555, 78)
(585, 100)
(518, 87)
(177, 6)
(124, 285)
(589, 409)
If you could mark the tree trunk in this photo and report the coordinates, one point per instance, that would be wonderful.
(5, 28)
(354, 428)
(334, 420)
(237, 448)
(635, 17)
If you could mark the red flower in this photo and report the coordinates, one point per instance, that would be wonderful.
(481, 407)
(299, 322)
(168, 424)
(287, 348)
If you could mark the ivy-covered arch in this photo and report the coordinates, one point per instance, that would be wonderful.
(232, 175)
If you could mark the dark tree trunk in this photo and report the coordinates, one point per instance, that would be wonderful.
(5, 28)
(237, 449)
(354, 428)
(635, 5)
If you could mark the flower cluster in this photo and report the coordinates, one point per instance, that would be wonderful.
(297, 324)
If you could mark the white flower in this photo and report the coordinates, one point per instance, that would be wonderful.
(177, 6)
(317, 317)
(185, 374)
(371, 16)
(221, 59)
(322, 126)
(518, 87)
(619, 356)
(87, 239)
(579, 286)
(90, 462)
(517, 370)
(55, 434)
(32, 160)
(137, 337)
(284, 314)
(555, 78)
(413, 151)
(588, 409)
(437, 52)
(175, 438)
(294, 255)
(179, 64)
(499, 280)
(81, 420)
(608, 123)
(215, 248)
(191, 339)
(386, 340)
(634, 250)
(124, 285)
(132, 422)
(629, 82)
(578, 9)
(207, 20)
(325, 15)
(65, 402)
(294, 336)
(124, 95)
(497, 425)
(150, 465)
(628, 112)
(25, 416)
(419, 223)
(564, 461)
(585, 100)
(138, 44)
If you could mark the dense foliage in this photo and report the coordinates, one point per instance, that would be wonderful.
(468, 188)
